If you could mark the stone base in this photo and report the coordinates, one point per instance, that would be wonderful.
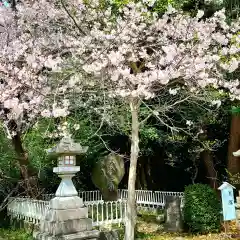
(63, 203)
(66, 227)
(57, 215)
(87, 235)
(66, 219)
(66, 215)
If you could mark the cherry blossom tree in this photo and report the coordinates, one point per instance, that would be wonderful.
(143, 55)
(19, 103)
(26, 58)
(52, 61)
(32, 43)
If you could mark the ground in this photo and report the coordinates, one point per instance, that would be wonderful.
(21, 235)
(147, 228)
(165, 236)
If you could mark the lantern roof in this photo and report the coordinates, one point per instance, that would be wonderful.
(67, 147)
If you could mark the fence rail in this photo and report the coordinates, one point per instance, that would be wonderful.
(28, 210)
(33, 211)
(103, 213)
(143, 197)
(146, 197)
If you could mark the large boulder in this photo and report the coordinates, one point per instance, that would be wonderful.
(107, 174)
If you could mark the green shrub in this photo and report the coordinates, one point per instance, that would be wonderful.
(11, 234)
(201, 209)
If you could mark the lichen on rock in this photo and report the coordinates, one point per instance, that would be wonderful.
(107, 174)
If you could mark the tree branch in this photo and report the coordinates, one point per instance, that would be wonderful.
(73, 19)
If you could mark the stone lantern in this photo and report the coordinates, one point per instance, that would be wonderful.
(66, 152)
(66, 218)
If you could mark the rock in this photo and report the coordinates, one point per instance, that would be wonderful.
(160, 218)
(107, 174)
(109, 235)
(173, 215)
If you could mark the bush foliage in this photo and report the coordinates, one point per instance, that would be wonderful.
(201, 209)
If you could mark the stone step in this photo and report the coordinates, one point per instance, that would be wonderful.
(88, 235)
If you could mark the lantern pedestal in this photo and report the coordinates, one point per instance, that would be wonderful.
(66, 187)
(66, 218)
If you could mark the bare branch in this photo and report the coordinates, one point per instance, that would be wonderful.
(73, 19)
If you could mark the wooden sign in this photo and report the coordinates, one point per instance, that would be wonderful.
(228, 205)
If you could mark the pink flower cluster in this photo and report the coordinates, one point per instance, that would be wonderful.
(135, 54)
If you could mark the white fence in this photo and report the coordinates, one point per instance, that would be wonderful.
(100, 212)
(104, 213)
(143, 197)
(150, 198)
(28, 210)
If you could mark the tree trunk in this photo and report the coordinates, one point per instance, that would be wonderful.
(29, 184)
(21, 154)
(131, 202)
(138, 177)
(143, 176)
(233, 163)
(209, 165)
